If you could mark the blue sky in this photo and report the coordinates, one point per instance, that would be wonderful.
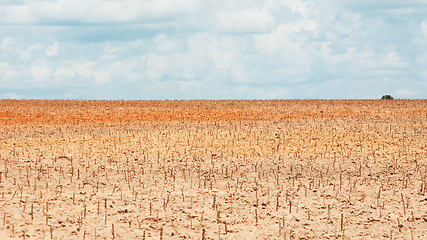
(213, 49)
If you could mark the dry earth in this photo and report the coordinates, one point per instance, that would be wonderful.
(312, 169)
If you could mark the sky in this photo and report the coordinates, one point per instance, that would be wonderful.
(213, 49)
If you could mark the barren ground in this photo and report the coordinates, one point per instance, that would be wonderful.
(297, 169)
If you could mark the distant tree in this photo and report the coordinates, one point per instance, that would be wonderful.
(387, 97)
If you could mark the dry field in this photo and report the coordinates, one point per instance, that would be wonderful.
(309, 169)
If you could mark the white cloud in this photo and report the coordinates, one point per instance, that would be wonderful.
(404, 93)
(24, 54)
(286, 60)
(110, 50)
(424, 29)
(85, 69)
(64, 72)
(8, 73)
(298, 6)
(215, 49)
(95, 11)
(53, 50)
(41, 72)
(101, 77)
(36, 46)
(165, 44)
(7, 44)
(10, 95)
(392, 60)
(245, 21)
(17, 14)
(127, 70)
(227, 56)
(155, 66)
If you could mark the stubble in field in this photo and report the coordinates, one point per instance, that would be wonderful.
(213, 169)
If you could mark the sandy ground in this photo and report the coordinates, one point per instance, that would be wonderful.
(213, 170)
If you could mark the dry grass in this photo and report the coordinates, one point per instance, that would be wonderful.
(312, 169)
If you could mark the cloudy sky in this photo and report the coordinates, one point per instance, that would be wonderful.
(213, 49)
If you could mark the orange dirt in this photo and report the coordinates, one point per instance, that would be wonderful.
(276, 169)
(77, 112)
